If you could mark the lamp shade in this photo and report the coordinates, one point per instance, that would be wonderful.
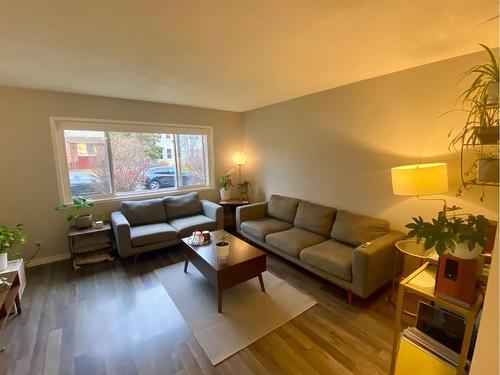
(239, 157)
(420, 179)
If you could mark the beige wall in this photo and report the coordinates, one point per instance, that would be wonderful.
(29, 186)
(337, 147)
(487, 352)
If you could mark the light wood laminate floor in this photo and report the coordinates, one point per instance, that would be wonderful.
(116, 319)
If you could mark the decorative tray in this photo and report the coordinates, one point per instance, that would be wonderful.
(193, 242)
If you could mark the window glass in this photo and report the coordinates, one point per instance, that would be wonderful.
(118, 163)
(192, 160)
(88, 174)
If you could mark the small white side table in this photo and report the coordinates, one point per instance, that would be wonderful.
(17, 265)
(414, 249)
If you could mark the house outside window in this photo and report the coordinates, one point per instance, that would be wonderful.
(110, 159)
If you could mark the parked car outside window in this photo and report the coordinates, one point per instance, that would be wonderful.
(82, 183)
(164, 177)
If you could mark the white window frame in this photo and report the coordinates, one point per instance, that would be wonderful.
(59, 124)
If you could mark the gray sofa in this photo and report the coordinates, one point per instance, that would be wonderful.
(353, 251)
(151, 224)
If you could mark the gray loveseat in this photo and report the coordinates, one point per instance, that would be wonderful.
(151, 224)
(353, 251)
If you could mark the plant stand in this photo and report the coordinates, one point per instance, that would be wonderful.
(12, 297)
(90, 245)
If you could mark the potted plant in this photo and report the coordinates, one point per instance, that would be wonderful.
(225, 184)
(8, 239)
(222, 247)
(487, 167)
(461, 237)
(243, 189)
(82, 218)
(480, 100)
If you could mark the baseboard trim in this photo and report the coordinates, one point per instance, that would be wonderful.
(45, 260)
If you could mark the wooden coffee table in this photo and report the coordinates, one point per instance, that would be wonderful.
(243, 263)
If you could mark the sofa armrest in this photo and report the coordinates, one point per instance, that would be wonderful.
(250, 212)
(214, 212)
(121, 230)
(373, 265)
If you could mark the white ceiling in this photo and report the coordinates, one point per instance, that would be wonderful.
(232, 54)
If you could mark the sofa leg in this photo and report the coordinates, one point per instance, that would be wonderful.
(349, 297)
(136, 256)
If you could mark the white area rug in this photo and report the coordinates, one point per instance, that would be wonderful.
(247, 313)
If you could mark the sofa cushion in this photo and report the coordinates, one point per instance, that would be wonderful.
(146, 211)
(260, 228)
(185, 226)
(330, 256)
(355, 230)
(182, 205)
(282, 208)
(143, 235)
(315, 218)
(292, 241)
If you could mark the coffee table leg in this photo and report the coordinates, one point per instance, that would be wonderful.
(261, 281)
(219, 300)
(186, 262)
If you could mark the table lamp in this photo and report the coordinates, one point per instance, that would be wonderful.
(421, 179)
(239, 158)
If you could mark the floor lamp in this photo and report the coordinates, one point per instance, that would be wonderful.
(421, 180)
(240, 158)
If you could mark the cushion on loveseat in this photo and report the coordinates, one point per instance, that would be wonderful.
(147, 211)
(282, 208)
(330, 256)
(355, 230)
(185, 226)
(260, 228)
(315, 218)
(182, 205)
(293, 240)
(147, 234)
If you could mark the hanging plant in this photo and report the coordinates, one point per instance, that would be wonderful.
(481, 128)
(480, 101)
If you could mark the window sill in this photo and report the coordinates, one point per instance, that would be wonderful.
(147, 195)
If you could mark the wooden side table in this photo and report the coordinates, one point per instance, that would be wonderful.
(90, 245)
(230, 212)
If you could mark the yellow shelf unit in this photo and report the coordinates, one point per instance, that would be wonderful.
(412, 360)
(421, 283)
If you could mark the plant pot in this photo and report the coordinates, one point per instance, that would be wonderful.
(222, 249)
(487, 171)
(488, 135)
(243, 193)
(225, 194)
(3, 261)
(492, 94)
(462, 251)
(83, 221)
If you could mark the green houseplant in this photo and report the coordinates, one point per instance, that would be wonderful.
(484, 169)
(81, 217)
(9, 238)
(243, 189)
(225, 184)
(222, 247)
(480, 101)
(462, 237)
